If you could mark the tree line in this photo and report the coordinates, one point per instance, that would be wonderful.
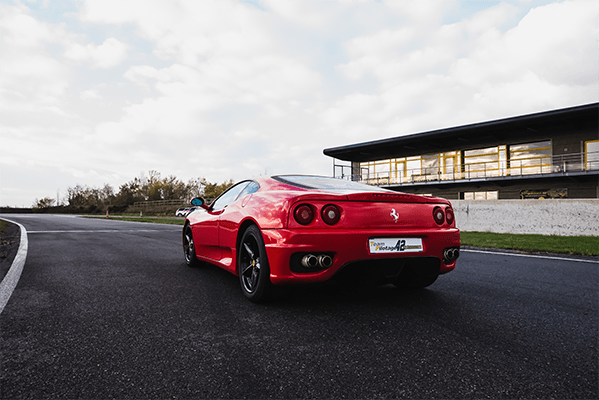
(82, 198)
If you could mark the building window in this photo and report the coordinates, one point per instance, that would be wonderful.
(430, 167)
(530, 158)
(503, 160)
(451, 165)
(414, 168)
(377, 172)
(481, 163)
(488, 195)
(591, 149)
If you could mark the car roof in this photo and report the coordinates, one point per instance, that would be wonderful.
(326, 183)
(336, 186)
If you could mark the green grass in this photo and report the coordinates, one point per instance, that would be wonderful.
(156, 220)
(585, 245)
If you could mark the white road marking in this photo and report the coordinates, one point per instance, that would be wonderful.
(529, 255)
(8, 284)
(101, 231)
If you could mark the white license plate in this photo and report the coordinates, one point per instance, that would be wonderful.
(395, 245)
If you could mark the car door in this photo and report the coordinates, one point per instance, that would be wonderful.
(205, 231)
(231, 216)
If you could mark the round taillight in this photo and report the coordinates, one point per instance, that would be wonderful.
(304, 214)
(439, 215)
(331, 214)
(449, 217)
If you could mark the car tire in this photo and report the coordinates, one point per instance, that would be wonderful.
(253, 267)
(189, 250)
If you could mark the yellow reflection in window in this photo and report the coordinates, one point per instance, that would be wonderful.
(591, 149)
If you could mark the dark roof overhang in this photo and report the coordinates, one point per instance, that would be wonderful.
(521, 129)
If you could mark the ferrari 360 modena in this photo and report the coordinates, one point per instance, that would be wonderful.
(290, 229)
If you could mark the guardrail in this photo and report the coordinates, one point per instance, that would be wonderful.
(562, 164)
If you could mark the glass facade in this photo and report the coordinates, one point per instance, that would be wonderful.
(507, 160)
(531, 158)
(482, 162)
(503, 160)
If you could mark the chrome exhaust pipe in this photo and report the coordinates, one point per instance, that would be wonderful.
(325, 261)
(446, 254)
(451, 254)
(310, 261)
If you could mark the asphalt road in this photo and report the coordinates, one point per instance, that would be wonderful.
(108, 309)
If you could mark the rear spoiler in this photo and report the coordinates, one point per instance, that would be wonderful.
(395, 198)
(383, 197)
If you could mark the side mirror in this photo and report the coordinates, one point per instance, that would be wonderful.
(199, 202)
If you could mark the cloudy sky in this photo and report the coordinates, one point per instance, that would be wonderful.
(99, 91)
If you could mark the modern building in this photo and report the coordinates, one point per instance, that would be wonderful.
(553, 154)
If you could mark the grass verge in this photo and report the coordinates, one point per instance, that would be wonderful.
(584, 245)
(156, 220)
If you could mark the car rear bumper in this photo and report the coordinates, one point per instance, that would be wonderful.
(347, 247)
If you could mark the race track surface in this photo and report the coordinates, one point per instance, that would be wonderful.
(108, 309)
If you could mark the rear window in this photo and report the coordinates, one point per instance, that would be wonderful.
(326, 183)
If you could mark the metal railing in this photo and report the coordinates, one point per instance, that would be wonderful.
(545, 165)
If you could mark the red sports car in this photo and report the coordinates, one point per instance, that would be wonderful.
(298, 229)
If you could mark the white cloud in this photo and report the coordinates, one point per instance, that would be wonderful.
(90, 95)
(558, 42)
(229, 89)
(29, 73)
(306, 13)
(187, 31)
(107, 55)
(548, 60)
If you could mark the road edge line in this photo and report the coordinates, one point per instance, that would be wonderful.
(529, 255)
(9, 283)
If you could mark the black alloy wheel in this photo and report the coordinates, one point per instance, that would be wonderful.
(189, 249)
(254, 271)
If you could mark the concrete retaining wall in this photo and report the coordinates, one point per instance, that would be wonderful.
(564, 217)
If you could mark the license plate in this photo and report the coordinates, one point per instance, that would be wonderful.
(395, 245)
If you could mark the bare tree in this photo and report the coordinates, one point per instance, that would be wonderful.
(46, 202)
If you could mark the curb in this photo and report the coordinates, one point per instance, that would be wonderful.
(8, 284)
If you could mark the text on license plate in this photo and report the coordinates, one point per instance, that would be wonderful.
(395, 245)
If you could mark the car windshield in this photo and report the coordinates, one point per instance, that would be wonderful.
(326, 183)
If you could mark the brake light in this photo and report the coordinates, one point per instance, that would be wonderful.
(304, 214)
(331, 214)
(439, 215)
(449, 216)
